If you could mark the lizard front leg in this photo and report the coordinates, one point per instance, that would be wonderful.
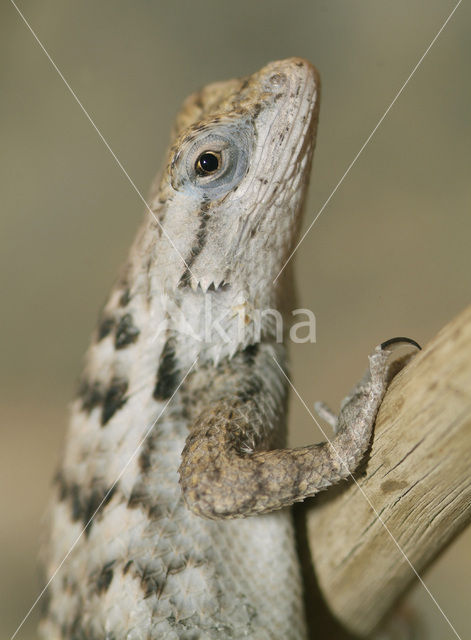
(223, 476)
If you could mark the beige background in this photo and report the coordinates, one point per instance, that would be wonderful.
(390, 254)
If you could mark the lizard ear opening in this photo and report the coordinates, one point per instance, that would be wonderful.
(214, 162)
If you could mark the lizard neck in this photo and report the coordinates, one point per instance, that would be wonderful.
(203, 319)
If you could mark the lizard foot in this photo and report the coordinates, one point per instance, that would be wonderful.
(359, 408)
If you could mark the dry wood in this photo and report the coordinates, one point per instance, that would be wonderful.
(415, 488)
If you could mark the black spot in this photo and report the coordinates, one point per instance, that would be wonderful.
(250, 353)
(76, 631)
(251, 388)
(84, 503)
(114, 399)
(125, 298)
(152, 581)
(157, 512)
(127, 567)
(299, 64)
(105, 327)
(200, 238)
(185, 279)
(139, 496)
(81, 630)
(92, 395)
(197, 247)
(78, 511)
(105, 577)
(167, 374)
(144, 460)
(148, 447)
(126, 332)
(45, 601)
(60, 481)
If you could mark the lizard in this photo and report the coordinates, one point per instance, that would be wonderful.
(175, 483)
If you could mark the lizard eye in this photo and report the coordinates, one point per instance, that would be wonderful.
(212, 163)
(207, 163)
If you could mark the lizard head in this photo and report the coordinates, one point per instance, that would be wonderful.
(231, 193)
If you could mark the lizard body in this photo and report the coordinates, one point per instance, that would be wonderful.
(169, 553)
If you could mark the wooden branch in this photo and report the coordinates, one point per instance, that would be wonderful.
(417, 478)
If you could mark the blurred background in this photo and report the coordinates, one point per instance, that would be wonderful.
(390, 254)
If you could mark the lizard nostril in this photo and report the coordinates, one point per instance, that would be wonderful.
(277, 79)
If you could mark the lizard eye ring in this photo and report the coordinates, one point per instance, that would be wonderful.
(208, 162)
(213, 162)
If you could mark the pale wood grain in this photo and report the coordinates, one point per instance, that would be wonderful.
(417, 479)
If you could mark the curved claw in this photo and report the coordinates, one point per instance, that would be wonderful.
(399, 340)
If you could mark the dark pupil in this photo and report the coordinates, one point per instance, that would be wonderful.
(207, 163)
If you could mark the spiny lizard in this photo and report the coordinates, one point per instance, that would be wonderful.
(178, 432)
